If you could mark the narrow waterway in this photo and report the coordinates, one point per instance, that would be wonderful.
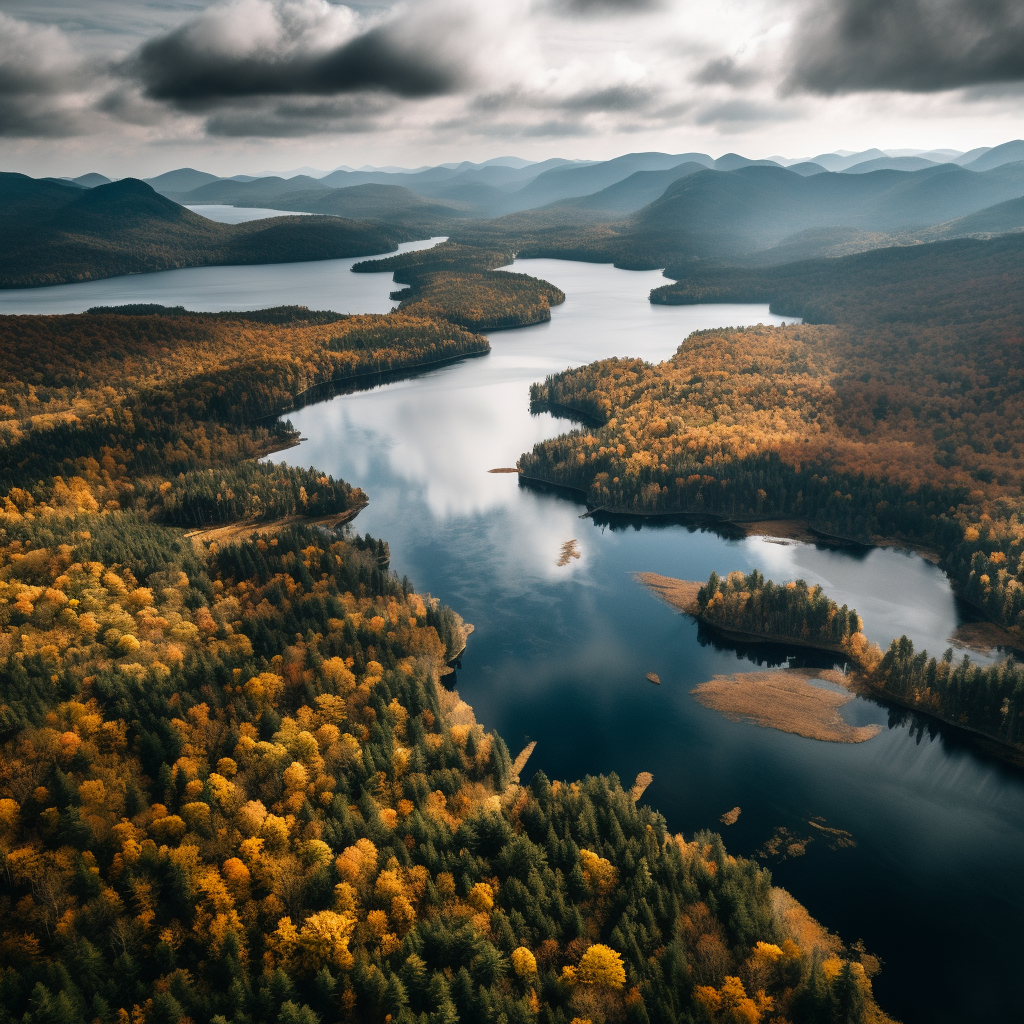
(933, 883)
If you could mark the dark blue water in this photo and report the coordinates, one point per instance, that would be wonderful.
(934, 884)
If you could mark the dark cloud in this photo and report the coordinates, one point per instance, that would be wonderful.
(289, 120)
(910, 45)
(613, 98)
(25, 117)
(599, 8)
(609, 99)
(41, 83)
(725, 71)
(192, 74)
(737, 113)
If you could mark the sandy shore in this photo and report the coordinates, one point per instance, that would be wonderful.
(681, 594)
(786, 700)
(230, 533)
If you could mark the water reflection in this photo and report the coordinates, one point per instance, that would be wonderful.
(561, 652)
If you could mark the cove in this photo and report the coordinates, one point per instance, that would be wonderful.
(934, 885)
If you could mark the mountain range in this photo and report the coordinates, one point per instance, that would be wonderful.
(642, 208)
(55, 233)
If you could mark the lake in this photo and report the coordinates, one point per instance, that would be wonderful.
(934, 884)
(240, 214)
(324, 284)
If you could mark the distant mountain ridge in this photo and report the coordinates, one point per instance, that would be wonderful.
(718, 214)
(57, 233)
(639, 209)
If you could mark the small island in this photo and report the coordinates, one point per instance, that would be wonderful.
(751, 608)
(985, 700)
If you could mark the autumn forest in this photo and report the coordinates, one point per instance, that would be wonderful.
(238, 783)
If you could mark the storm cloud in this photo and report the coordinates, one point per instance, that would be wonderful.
(846, 46)
(258, 49)
(42, 83)
(604, 7)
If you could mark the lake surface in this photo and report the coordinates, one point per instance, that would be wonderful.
(324, 284)
(240, 214)
(934, 883)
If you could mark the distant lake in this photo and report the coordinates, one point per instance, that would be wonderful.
(323, 284)
(560, 653)
(241, 214)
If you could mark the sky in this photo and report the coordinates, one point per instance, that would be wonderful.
(142, 86)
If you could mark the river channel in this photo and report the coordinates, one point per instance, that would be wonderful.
(931, 875)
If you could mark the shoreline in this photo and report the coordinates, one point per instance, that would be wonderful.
(786, 700)
(792, 528)
(682, 595)
(1001, 750)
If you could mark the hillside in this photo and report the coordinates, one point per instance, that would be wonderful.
(258, 192)
(181, 180)
(723, 214)
(993, 220)
(957, 281)
(388, 204)
(61, 233)
(633, 193)
(568, 182)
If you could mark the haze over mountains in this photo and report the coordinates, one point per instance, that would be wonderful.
(648, 207)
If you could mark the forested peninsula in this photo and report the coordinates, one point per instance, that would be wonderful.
(232, 788)
(896, 423)
(459, 281)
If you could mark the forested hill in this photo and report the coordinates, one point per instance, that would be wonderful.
(958, 281)
(725, 214)
(55, 233)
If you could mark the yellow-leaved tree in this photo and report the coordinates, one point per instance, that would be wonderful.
(600, 965)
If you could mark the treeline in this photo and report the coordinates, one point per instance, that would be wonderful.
(282, 315)
(988, 699)
(232, 790)
(456, 282)
(55, 234)
(573, 234)
(792, 612)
